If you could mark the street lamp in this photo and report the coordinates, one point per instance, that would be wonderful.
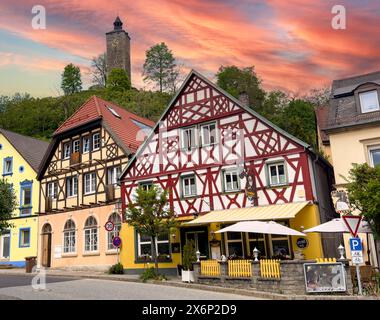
(341, 252)
(198, 255)
(256, 254)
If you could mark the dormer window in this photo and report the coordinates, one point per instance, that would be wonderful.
(369, 101)
(114, 112)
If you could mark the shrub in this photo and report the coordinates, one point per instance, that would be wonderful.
(189, 255)
(116, 269)
(151, 274)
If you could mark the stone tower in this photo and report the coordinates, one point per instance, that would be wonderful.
(118, 48)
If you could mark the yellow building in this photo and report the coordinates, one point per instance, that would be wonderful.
(20, 157)
(349, 132)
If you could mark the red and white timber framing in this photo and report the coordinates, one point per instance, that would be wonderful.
(243, 136)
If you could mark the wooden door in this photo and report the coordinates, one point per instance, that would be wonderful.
(46, 250)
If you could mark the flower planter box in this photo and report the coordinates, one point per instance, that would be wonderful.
(187, 276)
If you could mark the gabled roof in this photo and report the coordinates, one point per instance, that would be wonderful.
(32, 150)
(321, 114)
(126, 128)
(122, 123)
(343, 111)
(238, 102)
(348, 85)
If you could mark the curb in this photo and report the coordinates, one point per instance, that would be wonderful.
(244, 292)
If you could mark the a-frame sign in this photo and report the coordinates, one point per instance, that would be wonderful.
(352, 223)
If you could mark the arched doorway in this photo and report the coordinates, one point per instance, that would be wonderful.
(46, 245)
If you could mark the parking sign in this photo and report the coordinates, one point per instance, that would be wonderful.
(356, 251)
(356, 244)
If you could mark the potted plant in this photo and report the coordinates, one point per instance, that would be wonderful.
(188, 258)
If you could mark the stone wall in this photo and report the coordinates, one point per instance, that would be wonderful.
(292, 281)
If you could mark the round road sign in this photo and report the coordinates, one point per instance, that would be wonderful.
(116, 241)
(109, 226)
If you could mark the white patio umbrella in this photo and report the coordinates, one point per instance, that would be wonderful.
(338, 226)
(270, 227)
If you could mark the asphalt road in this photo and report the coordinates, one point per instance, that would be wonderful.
(60, 288)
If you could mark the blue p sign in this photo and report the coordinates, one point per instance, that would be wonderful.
(356, 244)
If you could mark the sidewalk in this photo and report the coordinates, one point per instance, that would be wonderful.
(176, 282)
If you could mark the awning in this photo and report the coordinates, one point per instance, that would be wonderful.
(270, 212)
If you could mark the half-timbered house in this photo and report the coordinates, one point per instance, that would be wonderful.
(78, 184)
(222, 162)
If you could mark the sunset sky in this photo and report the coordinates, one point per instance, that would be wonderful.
(291, 43)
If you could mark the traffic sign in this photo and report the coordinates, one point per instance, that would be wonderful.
(109, 226)
(352, 223)
(356, 251)
(356, 244)
(116, 241)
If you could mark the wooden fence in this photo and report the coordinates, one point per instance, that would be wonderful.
(240, 268)
(270, 268)
(210, 268)
(325, 260)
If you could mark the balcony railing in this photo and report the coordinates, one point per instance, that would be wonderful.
(270, 268)
(240, 268)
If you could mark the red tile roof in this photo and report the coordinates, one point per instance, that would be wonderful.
(123, 124)
(321, 114)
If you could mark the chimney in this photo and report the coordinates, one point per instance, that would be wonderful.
(244, 99)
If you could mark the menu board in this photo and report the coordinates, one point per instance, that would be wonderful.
(325, 277)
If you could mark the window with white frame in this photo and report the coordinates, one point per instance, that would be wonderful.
(86, 144)
(69, 237)
(231, 181)
(96, 143)
(8, 164)
(91, 235)
(113, 174)
(52, 190)
(188, 138)
(276, 173)
(189, 186)
(66, 150)
(115, 218)
(72, 186)
(374, 155)
(369, 101)
(144, 246)
(76, 146)
(208, 133)
(90, 183)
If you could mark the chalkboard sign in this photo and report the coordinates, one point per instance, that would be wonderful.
(302, 243)
(324, 277)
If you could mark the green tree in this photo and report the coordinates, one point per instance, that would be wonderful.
(298, 118)
(150, 215)
(71, 79)
(364, 195)
(237, 80)
(7, 205)
(160, 67)
(118, 80)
